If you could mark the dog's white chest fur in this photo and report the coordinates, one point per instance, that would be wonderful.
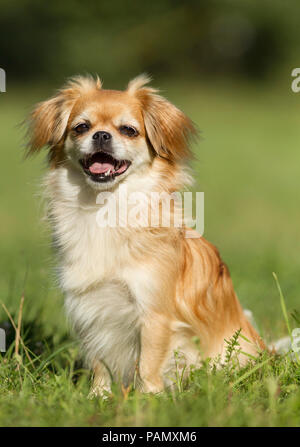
(107, 321)
(105, 294)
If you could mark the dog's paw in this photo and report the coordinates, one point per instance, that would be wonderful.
(99, 391)
(149, 386)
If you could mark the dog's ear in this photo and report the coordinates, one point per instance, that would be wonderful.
(49, 119)
(168, 129)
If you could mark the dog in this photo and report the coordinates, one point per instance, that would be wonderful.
(136, 295)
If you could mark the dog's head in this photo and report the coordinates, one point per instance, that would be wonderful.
(109, 134)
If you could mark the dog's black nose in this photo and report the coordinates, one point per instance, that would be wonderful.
(102, 137)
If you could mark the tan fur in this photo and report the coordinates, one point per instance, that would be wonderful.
(168, 129)
(133, 295)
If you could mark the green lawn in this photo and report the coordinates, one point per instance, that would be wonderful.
(248, 167)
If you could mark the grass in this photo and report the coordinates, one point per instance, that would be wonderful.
(247, 165)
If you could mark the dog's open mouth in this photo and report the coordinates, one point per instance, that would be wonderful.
(102, 167)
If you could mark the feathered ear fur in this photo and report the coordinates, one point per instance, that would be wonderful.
(49, 119)
(168, 128)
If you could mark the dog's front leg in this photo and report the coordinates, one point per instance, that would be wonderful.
(155, 346)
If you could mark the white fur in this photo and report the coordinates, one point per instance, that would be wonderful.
(107, 291)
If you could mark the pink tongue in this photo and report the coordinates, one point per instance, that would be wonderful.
(100, 168)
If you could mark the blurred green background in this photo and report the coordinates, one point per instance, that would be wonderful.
(228, 65)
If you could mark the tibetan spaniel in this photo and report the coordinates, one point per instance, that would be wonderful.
(143, 299)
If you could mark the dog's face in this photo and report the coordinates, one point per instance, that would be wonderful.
(109, 134)
(106, 137)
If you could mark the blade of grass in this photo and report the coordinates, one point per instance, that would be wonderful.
(51, 356)
(18, 331)
(246, 339)
(249, 355)
(248, 373)
(283, 306)
(15, 328)
(285, 314)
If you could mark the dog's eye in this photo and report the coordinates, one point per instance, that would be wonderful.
(129, 131)
(81, 128)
